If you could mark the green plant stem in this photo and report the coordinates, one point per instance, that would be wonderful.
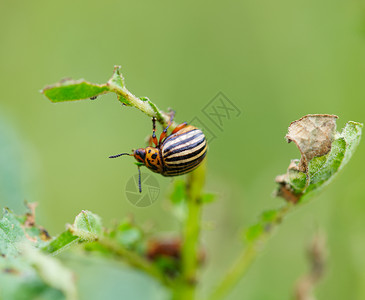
(247, 257)
(191, 230)
(135, 260)
(146, 106)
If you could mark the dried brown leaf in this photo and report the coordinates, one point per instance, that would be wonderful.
(313, 135)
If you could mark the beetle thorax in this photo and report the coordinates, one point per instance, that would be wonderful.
(152, 159)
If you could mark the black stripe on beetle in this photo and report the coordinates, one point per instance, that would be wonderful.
(184, 146)
(187, 153)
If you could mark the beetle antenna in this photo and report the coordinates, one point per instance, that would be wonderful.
(114, 156)
(139, 180)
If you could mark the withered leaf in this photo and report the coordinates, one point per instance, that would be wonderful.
(324, 153)
(313, 135)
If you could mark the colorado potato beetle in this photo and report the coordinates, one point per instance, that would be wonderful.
(178, 153)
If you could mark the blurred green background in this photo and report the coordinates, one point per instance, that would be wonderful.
(275, 60)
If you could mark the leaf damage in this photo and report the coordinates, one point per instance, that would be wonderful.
(324, 151)
(313, 135)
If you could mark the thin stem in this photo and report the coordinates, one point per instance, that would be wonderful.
(135, 260)
(145, 105)
(247, 257)
(191, 230)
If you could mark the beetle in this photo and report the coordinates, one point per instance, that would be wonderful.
(176, 154)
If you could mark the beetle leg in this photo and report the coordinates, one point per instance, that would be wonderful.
(179, 127)
(164, 132)
(154, 138)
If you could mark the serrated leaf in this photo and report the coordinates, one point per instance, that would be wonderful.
(87, 226)
(71, 90)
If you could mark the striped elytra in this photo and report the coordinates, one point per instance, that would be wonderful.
(177, 154)
(183, 151)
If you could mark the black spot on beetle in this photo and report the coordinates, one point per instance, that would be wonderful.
(154, 155)
(149, 151)
(151, 165)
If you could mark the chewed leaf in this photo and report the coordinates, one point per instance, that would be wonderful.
(24, 271)
(11, 233)
(71, 90)
(313, 135)
(16, 228)
(117, 77)
(297, 185)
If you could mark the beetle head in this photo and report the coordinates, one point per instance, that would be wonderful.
(140, 155)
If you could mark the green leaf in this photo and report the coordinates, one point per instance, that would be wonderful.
(71, 90)
(11, 233)
(207, 198)
(127, 234)
(25, 273)
(254, 232)
(87, 226)
(266, 222)
(51, 271)
(14, 229)
(61, 243)
(322, 170)
(178, 195)
(297, 179)
(117, 78)
(269, 216)
(116, 82)
(31, 286)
